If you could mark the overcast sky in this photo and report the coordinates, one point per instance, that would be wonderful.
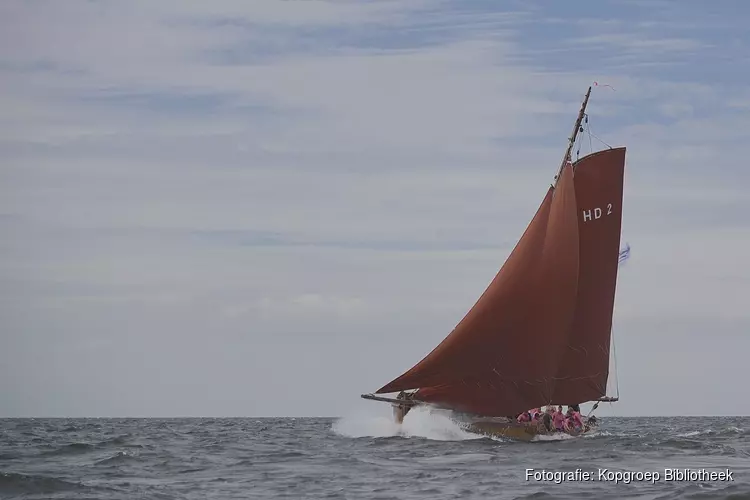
(267, 208)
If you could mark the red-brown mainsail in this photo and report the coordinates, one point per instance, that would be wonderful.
(540, 333)
(584, 370)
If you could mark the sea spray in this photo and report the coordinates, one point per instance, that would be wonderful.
(420, 422)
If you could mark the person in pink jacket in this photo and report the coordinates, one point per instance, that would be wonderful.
(558, 418)
(574, 419)
(523, 418)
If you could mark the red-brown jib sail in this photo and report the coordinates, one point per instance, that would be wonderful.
(540, 333)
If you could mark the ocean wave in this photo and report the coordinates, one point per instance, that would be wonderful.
(119, 458)
(13, 483)
(70, 449)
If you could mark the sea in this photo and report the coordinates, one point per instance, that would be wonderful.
(368, 457)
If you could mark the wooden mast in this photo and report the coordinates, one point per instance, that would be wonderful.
(574, 135)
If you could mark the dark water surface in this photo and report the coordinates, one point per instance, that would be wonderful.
(428, 458)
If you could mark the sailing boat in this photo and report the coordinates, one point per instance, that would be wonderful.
(540, 334)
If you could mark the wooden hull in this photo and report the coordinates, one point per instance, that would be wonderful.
(510, 430)
(489, 426)
(499, 427)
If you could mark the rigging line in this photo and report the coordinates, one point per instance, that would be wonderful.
(614, 354)
(588, 131)
(596, 136)
(600, 140)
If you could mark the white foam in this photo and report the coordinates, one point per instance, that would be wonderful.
(689, 434)
(558, 436)
(420, 422)
(599, 433)
(461, 458)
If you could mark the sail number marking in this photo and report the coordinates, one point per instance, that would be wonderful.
(596, 213)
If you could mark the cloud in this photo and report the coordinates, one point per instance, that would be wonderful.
(312, 194)
(633, 45)
(300, 306)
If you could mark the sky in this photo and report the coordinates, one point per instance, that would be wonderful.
(267, 208)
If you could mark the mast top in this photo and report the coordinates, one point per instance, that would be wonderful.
(574, 135)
